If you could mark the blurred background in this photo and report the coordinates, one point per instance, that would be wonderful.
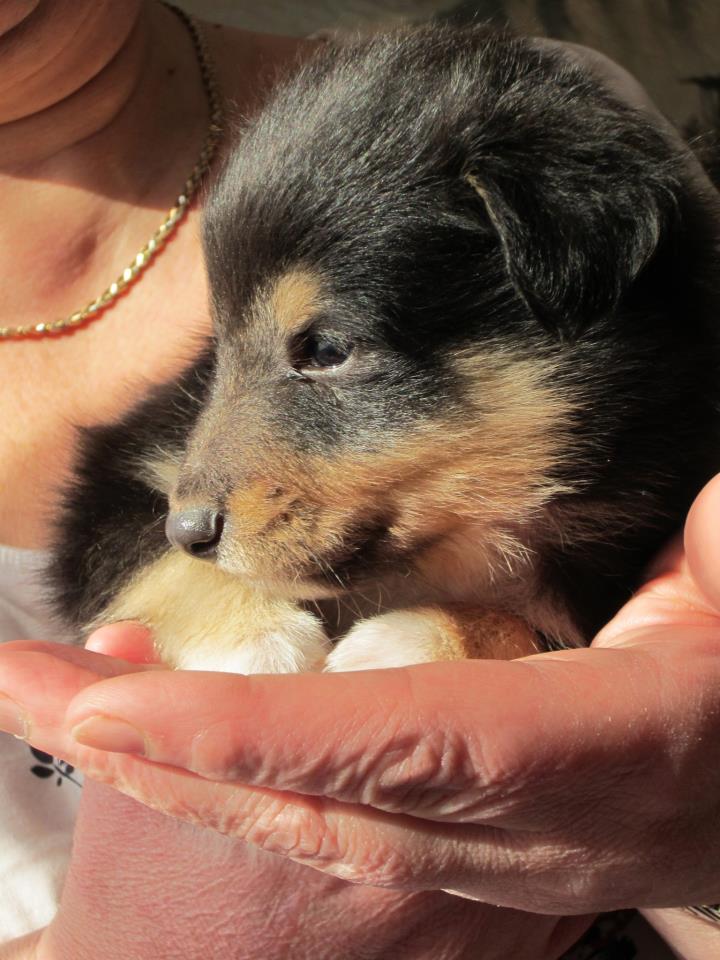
(670, 45)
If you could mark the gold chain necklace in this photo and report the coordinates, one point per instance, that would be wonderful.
(174, 216)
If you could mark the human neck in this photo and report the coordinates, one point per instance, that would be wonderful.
(92, 151)
(67, 68)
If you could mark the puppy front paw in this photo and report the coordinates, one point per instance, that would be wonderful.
(289, 640)
(427, 634)
(392, 640)
(204, 619)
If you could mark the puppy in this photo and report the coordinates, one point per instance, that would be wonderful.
(464, 384)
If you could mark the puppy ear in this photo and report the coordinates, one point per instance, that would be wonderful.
(573, 244)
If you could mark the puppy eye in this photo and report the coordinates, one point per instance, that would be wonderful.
(315, 353)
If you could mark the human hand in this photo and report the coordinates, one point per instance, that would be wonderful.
(144, 885)
(563, 790)
(562, 783)
(645, 696)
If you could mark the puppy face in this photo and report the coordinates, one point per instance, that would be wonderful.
(428, 263)
(336, 455)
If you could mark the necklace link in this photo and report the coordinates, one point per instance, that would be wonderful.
(173, 217)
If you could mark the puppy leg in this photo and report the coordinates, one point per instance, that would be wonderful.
(204, 619)
(425, 634)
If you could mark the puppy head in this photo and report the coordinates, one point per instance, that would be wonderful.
(407, 252)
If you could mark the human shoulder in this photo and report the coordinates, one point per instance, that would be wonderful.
(248, 63)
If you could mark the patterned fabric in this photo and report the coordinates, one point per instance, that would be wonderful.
(39, 795)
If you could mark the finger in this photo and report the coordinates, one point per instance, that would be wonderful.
(103, 666)
(371, 847)
(684, 583)
(671, 600)
(348, 841)
(374, 735)
(38, 679)
(475, 741)
(125, 640)
(702, 543)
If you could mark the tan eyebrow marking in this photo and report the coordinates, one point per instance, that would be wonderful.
(293, 298)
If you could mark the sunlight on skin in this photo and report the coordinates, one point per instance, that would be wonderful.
(125, 641)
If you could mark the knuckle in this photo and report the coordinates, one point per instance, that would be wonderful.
(429, 774)
(506, 781)
(291, 828)
(595, 883)
(585, 875)
(369, 859)
(306, 833)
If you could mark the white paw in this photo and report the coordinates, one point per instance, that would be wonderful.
(296, 644)
(204, 619)
(392, 640)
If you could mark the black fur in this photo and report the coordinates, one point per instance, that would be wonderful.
(455, 188)
(113, 519)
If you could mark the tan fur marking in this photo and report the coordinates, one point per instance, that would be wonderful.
(253, 508)
(161, 472)
(472, 633)
(293, 299)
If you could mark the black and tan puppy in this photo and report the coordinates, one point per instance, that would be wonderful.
(466, 361)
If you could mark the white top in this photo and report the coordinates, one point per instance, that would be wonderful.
(39, 795)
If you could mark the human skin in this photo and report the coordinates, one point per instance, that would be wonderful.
(102, 117)
(143, 885)
(577, 782)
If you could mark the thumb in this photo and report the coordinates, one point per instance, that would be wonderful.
(125, 641)
(702, 542)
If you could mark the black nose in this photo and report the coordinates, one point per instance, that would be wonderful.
(196, 531)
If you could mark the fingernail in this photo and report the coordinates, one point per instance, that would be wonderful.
(111, 734)
(13, 718)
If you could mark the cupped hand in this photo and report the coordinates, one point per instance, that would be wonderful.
(562, 783)
(142, 884)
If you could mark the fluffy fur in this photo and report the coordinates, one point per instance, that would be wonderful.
(466, 354)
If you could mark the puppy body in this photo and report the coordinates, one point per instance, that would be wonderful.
(466, 358)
